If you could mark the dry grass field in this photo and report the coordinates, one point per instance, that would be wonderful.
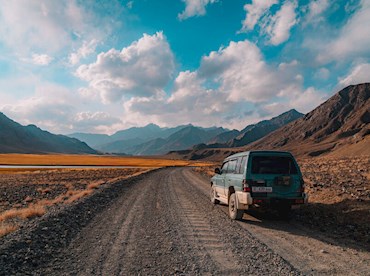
(26, 193)
(92, 160)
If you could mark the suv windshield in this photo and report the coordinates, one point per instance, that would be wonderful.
(273, 165)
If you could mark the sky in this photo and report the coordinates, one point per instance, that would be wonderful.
(102, 66)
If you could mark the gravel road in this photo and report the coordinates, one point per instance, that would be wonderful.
(162, 223)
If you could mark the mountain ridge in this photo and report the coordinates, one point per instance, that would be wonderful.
(338, 127)
(16, 138)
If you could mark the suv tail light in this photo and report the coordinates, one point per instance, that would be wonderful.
(246, 187)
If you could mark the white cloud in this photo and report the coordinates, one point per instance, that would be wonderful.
(254, 12)
(50, 108)
(41, 59)
(194, 8)
(57, 109)
(295, 98)
(353, 40)
(84, 51)
(47, 26)
(99, 121)
(141, 69)
(280, 24)
(322, 73)
(228, 84)
(359, 74)
(241, 72)
(315, 10)
(306, 100)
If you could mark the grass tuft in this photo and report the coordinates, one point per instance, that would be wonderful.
(7, 228)
(24, 213)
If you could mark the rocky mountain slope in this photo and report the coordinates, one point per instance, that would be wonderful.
(338, 127)
(15, 138)
(254, 132)
(251, 133)
(339, 123)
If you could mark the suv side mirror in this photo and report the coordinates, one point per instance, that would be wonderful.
(218, 171)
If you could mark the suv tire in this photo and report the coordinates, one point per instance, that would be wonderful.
(234, 213)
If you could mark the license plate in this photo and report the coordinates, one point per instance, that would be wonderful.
(262, 189)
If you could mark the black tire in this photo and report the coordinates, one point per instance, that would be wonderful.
(234, 213)
(284, 211)
(213, 196)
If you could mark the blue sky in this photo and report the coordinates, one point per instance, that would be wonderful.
(102, 66)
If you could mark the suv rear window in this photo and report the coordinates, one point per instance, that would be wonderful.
(273, 165)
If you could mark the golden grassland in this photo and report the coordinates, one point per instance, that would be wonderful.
(9, 219)
(92, 160)
(14, 214)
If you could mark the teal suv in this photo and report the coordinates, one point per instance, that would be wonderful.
(258, 178)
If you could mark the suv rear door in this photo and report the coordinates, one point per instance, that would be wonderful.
(274, 175)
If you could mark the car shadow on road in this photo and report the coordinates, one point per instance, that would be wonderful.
(345, 224)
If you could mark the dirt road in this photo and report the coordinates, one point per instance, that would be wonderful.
(163, 223)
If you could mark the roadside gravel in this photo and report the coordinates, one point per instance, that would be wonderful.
(155, 224)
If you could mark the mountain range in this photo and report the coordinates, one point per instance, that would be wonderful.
(154, 140)
(15, 138)
(339, 126)
(150, 139)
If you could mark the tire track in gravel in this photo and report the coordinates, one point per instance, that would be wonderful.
(97, 247)
(161, 224)
(200, 233)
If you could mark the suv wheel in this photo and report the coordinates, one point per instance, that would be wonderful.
(234, 213)
(213, 196)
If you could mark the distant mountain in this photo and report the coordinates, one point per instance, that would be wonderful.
(122, 140)
(341, 124)
(148, 132)
(225, 137)
(93, 140)
(251, 133)
(182, 139)
(121, 146)
(15, 138)
(254, 132)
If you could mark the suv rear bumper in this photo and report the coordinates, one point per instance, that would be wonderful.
(273, 201)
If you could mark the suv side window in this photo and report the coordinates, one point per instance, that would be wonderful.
(232, 166)
(224, 167)
(238, 165)
(242, 164)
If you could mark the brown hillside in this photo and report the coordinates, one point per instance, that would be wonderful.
(338, 126)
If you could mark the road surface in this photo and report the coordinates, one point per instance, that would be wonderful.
(164, 224)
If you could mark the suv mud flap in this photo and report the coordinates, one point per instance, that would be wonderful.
(243, 200)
